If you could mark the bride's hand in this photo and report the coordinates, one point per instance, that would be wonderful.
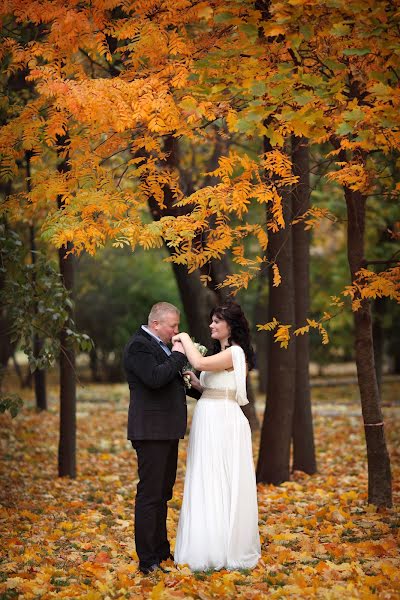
(179, 337)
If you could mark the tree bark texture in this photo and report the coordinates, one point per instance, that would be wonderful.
(261, 316)
(276, 433)
(303, 432)
(7, 347)
(39, 375)
(67, 441)
(249, 410)
(379, 472)
(197, 302)
(378, 315)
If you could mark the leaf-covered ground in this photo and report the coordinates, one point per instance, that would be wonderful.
(63, 538)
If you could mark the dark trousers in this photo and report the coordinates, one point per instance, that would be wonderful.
(157, 461)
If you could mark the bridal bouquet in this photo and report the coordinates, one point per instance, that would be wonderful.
(188, 367)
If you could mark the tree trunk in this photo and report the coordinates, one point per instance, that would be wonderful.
(39, 375)
(261, 316)
(379, 473)
(378, 315)
(67, 442)
(249, 410)
(396, 361)
(276, 434)
(18, 371)
(219, 270)
(197, 300)
(197, 303)
(94, 365)
(6, 346)
(303, 433)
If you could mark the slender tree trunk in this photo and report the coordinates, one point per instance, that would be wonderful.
(67, 442)
(303, 433)
(7, 347)
(378, 314)
(379, 473)
(249, 410)
(396, 361)
(39, 375)
(219, 270)
(276, 434)
(261, 316)
(94, 364)
(18, 371)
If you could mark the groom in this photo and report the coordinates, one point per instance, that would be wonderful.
(156, 421)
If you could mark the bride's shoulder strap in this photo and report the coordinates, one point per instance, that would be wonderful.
(239, 367)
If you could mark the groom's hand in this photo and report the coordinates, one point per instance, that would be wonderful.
(177, 347)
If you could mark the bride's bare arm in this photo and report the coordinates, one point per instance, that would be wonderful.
(216, 362)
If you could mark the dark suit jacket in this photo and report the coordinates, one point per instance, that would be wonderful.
(157, 409)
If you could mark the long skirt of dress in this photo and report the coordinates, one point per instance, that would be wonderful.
(218, 523)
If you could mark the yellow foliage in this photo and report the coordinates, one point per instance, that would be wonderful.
(268, 326)
(353, 176)
(282, 335)
(302, 330)
(277, 276)
(179, 67)
(369, 285)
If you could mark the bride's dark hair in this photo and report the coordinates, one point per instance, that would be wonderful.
(232, 313)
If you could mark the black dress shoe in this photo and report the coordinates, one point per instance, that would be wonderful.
(149, 570)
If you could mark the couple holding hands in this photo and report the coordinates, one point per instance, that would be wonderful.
(218, 523)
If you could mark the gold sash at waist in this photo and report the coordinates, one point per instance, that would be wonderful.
(218, 394)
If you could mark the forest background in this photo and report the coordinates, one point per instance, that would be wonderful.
(246, 148)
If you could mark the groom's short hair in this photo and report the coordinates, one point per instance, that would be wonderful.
(160, 309)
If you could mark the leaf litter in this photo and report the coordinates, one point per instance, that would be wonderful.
(65, 538)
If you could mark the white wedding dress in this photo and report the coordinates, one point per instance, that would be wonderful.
(218, 523)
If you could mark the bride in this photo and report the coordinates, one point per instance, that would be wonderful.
(218, 523)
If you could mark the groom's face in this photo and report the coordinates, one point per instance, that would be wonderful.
(167, 326)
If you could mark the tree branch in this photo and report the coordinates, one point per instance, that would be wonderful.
(365, 263)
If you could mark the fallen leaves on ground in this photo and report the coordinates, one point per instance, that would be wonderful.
(63, 538)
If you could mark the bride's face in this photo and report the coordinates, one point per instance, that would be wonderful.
(219, 328)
